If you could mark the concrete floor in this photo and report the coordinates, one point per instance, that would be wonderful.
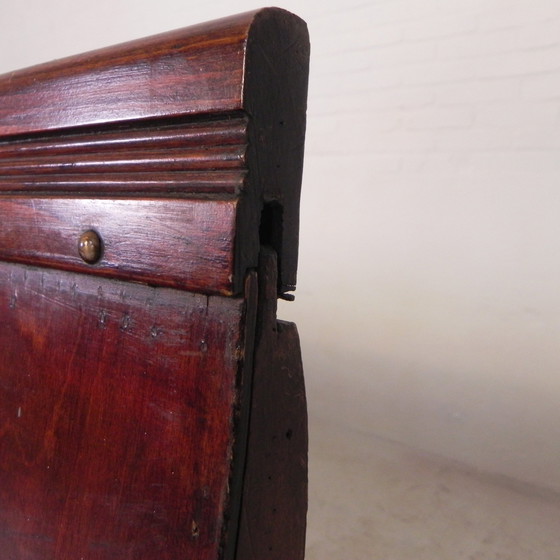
(372, 499)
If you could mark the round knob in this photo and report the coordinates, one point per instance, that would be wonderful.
(89, 246)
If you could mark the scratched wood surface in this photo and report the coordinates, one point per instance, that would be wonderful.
(82, 89)
(118, 404)
(137, 418)
(185, 243)
(214, 110)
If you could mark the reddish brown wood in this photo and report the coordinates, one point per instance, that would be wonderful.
(86, 124)
(138, 187)
(205, 157)
(180, 134)
(117, 417)
(184, 243)
(152, 161)
(133, 184)
(192, 71)
(200, 157)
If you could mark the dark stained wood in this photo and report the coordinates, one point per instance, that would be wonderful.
(250, 69)
(188, 71)
(276, 100)
(274, 502)
(222, 157)
(197, 134)
(117, 417)
(194, 158)
(132, 184)
(186, 243)
(151, 405)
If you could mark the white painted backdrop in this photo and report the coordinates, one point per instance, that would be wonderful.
(429, 287)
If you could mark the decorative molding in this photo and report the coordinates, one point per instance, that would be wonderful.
(199, 157)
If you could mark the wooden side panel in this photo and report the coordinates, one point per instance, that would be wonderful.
(124, 407)
(117, 406)
(187, 243)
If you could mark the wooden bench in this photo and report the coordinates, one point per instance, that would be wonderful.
(151, 404)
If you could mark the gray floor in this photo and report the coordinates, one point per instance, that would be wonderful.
(375, 500)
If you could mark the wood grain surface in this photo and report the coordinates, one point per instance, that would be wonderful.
(186, 243)
(192, 71)
(149, 215)
(274, 495)
(211, 109)
(117, 417)
(192, 157)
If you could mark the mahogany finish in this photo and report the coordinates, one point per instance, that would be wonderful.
(186, 243)
(254, 65)
(191, 157)
(151, 405)
(194, 71)
(117, 445)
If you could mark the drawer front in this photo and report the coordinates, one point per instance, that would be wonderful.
(183, 243)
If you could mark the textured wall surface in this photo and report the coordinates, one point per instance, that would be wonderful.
(428, 299)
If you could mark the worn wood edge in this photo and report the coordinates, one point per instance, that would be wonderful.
(189, 244)
(173, 184)
(159, 76)
(241, 420)
(194, 156)
(274, 499)
(274, 511)
(275, 98)
(222, 128)
(122, 293)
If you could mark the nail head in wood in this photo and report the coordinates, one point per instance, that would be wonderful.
(89, 246)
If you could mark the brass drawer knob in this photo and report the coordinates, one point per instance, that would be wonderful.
(89, 246)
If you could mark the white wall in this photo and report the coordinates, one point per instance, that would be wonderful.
(430, 272)
(429, 289)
